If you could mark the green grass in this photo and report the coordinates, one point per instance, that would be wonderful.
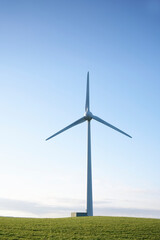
(80, 228)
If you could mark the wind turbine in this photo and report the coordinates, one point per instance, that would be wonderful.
(88, 116)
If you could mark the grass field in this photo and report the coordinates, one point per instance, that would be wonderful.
(80, 228)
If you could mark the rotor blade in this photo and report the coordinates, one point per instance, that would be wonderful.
(87, 94)
(109, 125)
(81, 120)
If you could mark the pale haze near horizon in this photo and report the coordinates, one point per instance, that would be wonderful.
(46, 50)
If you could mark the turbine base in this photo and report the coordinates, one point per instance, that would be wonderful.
(79, 214)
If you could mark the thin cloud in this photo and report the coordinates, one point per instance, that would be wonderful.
(44, 210)
(29, 207)
(127, 212)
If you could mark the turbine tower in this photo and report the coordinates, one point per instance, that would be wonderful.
(88, 116)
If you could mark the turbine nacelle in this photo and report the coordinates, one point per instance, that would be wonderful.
(88, 115)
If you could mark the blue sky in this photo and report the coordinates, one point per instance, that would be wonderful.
(46, 49)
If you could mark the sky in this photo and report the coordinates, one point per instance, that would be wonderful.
(46, 49)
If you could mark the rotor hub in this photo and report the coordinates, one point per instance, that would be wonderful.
(88, 115)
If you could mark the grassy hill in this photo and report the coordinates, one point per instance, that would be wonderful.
(80, 228)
